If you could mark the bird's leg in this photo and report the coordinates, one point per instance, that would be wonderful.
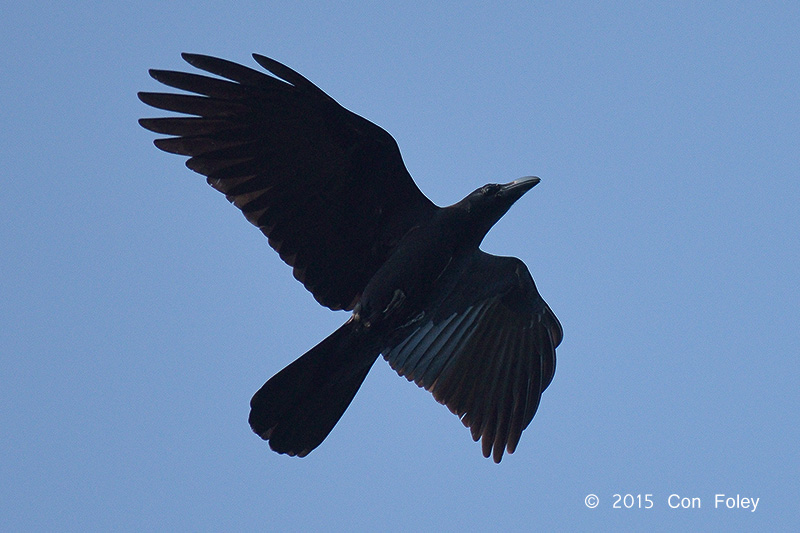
(368, 319)
(397, 300)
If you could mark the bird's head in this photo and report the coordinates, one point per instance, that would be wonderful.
(487, 204)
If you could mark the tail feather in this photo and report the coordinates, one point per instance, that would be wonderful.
(299, 406)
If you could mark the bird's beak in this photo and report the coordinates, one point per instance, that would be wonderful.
(519, 187)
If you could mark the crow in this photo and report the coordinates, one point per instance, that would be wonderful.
(330, 191)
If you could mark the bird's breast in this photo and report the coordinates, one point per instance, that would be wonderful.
(402, 285)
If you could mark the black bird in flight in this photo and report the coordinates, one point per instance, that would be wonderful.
(331, 192)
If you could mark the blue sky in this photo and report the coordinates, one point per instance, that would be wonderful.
(140, 311)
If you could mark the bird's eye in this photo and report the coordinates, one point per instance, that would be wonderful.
(490, 189)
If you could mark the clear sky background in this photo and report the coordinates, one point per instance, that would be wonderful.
(139, 311)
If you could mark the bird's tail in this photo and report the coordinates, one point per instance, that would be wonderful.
(297, 408)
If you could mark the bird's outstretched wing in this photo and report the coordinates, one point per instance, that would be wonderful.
(327, 187)
(486, 350)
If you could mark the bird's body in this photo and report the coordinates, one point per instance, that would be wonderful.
(331, 193)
